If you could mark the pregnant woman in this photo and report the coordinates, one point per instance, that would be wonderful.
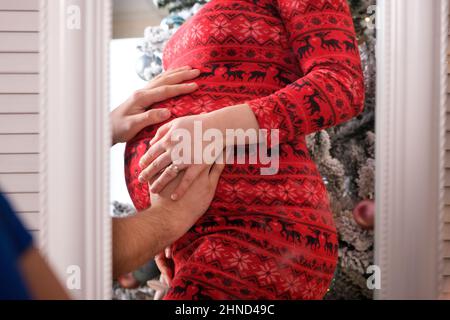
(287, 65)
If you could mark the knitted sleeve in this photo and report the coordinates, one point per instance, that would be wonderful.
(331, 90)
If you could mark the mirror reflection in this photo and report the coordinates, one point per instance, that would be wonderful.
(301, 73)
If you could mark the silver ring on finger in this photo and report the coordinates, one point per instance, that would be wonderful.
(174, 169)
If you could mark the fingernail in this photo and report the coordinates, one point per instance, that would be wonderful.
(192, 85)
(141, 178)
(164, 113)
(174, 197)
(194, 71)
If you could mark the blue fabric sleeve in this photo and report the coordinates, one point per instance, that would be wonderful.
(11, 226)
(14, 240)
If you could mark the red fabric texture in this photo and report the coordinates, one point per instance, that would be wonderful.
(296, 63)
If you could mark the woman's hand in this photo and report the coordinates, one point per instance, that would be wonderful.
(165, 265)
(165, 153)
(162, 156)
(133, 115)
(187, 210)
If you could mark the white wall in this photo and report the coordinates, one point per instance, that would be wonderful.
(123, 81)
(131, 17)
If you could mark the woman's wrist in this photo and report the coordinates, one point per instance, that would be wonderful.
(238, 117)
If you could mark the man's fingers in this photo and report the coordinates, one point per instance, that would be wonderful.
(176, 69)
(150, 84)
(146, 97)
(216, 172)
(191, 174)
(169, 91)
(148, 118)
(155, 167)
(176, 77)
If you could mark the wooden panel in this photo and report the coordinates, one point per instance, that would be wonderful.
(446, 284)
(30, 220)
(23, 143)
(19, 83)
(448, 99)
(19, 21)
(19, 108)
(20, 163)
(447, 214)
(446, 232)
(21, 182)
(447, 141)
(19, 62)
(19, 103)
(445, 292)
(447, 196)
(19, 42)
(447, 121)
(446, 270)
(19, 123)
(447, 159)
(24, 202)
(447, 177)
(19, 4)
(446, 249)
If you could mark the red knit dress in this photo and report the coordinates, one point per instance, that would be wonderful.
(296, 63)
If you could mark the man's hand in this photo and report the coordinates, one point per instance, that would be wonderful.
(139, 238)
(186, 211)
(134, 115)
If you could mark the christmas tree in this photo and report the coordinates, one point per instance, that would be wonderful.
(346, 158)
(344, 154)
(178, 5)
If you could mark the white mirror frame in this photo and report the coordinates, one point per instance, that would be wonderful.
(75, 140)
(410, 126)
(75, 222)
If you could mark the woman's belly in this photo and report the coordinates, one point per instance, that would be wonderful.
(196, 103)
(285, 217)
(256, 224)
(297, 184)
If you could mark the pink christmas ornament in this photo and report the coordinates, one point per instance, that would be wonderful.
(364, 214)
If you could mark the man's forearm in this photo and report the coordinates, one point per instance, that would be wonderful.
(137, 239)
